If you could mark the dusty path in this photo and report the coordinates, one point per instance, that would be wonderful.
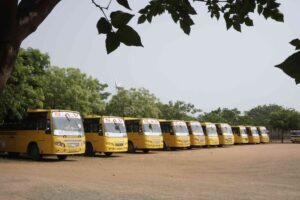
(240, 172)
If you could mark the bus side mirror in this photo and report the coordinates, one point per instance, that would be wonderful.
(171, 132)
(100, 132)
(48, 130)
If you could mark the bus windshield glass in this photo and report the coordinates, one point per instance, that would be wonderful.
(151, 127)
(67, 123)
(226, 130)
(196, 128)
(263, 131)
(211, 130)
(114, 127)
(254, 131)
(243, 131)
(180, 128)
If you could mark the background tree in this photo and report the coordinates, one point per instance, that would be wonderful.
(18, 19)
(178, 110)
(68, 88)
(262, 114)
(24, 88)
(133, 103)
(225, 115)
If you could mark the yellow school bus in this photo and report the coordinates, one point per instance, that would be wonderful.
(263, 135)
(143, 134)
(42, 133)
(295, 136)
(175, 134)
(253, 136)
(197, 137)
(240, 135)
(104, 134)
(210, 132)
(225, 134)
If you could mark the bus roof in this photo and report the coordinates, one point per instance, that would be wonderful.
(29, 110)
(100, 116)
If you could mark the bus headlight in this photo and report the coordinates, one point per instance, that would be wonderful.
(59, 144)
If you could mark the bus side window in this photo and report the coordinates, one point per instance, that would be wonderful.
(190, 130)
(204, 130)
(128, 125)
(86, 125)
(219, 131)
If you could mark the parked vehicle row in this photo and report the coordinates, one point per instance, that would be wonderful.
(62, 133)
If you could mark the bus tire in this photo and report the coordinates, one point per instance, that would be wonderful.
(108, 153)
(89, 150)
(13, 155)
(131, 148)
(34, 152)
(166, 148)
(146, 150)
(62, 157)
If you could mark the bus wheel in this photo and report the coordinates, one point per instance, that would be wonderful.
(131, 148)
(13, 154)
(166, 148)
(62, 157)
(89, 150)
(34, 152)
(146, 150)
(107, 153)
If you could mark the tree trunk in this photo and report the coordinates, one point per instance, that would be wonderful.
(8, 54)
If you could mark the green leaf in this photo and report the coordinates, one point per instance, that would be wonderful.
(119, 18)
(237, 26)
(291, 66)
(142, 19)
(129, 36)
(103, 26)
(296, 43)
(185, 27)
(112, 42)
(124, 3)
(277, 16)
(248, 21)
(260, 8)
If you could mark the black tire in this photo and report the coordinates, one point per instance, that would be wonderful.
(173, 148)
(89, 150)
(166, 148)
(108, 153)
(146, 150)
(62, 157)
(131, 148)
(34, 152)
(13, 155)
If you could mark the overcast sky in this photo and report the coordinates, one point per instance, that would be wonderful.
(211, 68)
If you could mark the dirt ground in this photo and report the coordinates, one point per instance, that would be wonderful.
(239, 172)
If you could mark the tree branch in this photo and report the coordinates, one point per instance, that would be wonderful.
(31, 13)
(8, 20)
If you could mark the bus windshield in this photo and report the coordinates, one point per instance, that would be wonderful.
(67, 123)
(114, 127)
(197, 129)
(152, 129)
(254, 131)
(243, 131)
(211, 130)
(181, 129)
(226, 130)
(115, 130)
(263, 131)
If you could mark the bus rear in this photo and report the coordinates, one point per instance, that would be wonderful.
(225, 134)
(263, 135)
(197, 137)
(143, 134)
(175, 134)
(105, 134)
(253, 136)
(210, 132)
(240, 135)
